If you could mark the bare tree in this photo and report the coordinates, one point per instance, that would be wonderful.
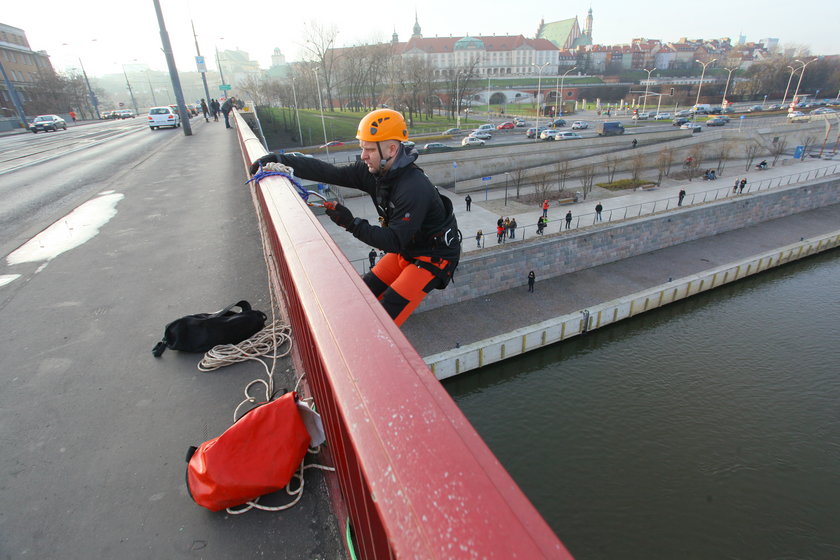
(518, 177)
(664, 161)
(587, 176)
(611, 165)
(777, 149)
(723, 155)
(750, 151)
(636, 165)
(807, 142)
(319, 48)
(562, 175)
(696, 154)
(542, 186)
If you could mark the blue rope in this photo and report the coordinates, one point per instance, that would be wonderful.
(260, 175)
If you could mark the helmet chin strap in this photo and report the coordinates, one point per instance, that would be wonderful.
(384, 164)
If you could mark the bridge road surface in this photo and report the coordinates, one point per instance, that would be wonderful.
(93, 429)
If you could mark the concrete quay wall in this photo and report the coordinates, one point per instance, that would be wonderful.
(501, 267)
(484, 352)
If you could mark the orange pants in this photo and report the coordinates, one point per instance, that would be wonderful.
(401, 285)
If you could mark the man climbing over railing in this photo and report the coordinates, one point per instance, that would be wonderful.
(419, 232)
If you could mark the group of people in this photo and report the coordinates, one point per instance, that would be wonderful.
(709, 175)
(739, 185)
(214, 108)
(505, 227)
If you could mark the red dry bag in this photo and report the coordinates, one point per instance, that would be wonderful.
(257, 455)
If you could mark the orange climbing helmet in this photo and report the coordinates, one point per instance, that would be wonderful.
(382, 124)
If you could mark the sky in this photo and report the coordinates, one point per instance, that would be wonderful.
(106, 36)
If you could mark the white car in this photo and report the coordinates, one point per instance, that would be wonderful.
(472, 141)
(549, 134)
(798, 116)
(163, 116)
(661, 116)
(566, 135)
(481, 134)
(580, 125)
(694, 127)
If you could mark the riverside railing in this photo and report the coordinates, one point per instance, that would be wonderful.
(416, 479)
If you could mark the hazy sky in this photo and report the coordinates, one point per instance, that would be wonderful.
(106, 35)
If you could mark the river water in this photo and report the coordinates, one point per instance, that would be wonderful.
(709, 429)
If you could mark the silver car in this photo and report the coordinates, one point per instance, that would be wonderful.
(47, 123)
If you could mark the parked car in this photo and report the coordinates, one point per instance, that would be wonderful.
(163, 116)
(533, 132)
(549, 134)
(679, 121)
(481, 134)
(715, 122)
(580, 125)
(433, 147)
(661, 116)
(609, 128)
(47, 123)
(505, 126)
(567, 135)
(472, 141)
(693, 126)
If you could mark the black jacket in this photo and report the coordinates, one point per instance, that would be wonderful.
(417, 220)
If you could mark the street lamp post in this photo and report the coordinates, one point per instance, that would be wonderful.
(804, 64)
(457, 101)
(130, 92)
(539, 86)
(702, 75)
(560, 94)
(221, 74)
(151, 89)
(321, 107)
(201, 68)
(647, 83)
(297, 113)
(792, 71)
(726, 88)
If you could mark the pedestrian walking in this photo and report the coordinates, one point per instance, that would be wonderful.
(735, 186)
(531, 279)
(478, 236)
(742, 185)
(73, 115)
(468, 200)
(541, 223)
(205, 110)
(598, 209)
(372, 258)
(681, 197)
(500, 232)
(635, 142)
(215, 108)
(545, 208)
(512, 228)
(568, 219)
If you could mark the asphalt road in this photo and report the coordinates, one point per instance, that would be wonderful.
(93, 429)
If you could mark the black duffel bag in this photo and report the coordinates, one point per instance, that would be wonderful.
(203, 331)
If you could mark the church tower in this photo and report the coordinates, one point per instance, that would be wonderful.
(416, 34)
(588, 29)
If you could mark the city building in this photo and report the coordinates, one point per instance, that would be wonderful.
(21, 66)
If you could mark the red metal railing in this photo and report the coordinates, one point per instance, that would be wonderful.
(417, 480)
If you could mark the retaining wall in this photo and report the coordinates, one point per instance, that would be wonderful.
(499, 268)
(488, 351)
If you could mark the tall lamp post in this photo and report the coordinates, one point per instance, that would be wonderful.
(221, 74)
(457, 101)
(200, 63)
(702, 75)
(804, 64)
(321, 107)
(539, 86)
(130, 92)
(151, 89)
(93, 99)
(297, 113)
(560, 93)
(723, 102)
(787, 88)
(647, 84)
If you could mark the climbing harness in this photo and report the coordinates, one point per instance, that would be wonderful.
(280, 170)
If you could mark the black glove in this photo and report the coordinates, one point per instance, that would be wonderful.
(340, 215)
(268, 158)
